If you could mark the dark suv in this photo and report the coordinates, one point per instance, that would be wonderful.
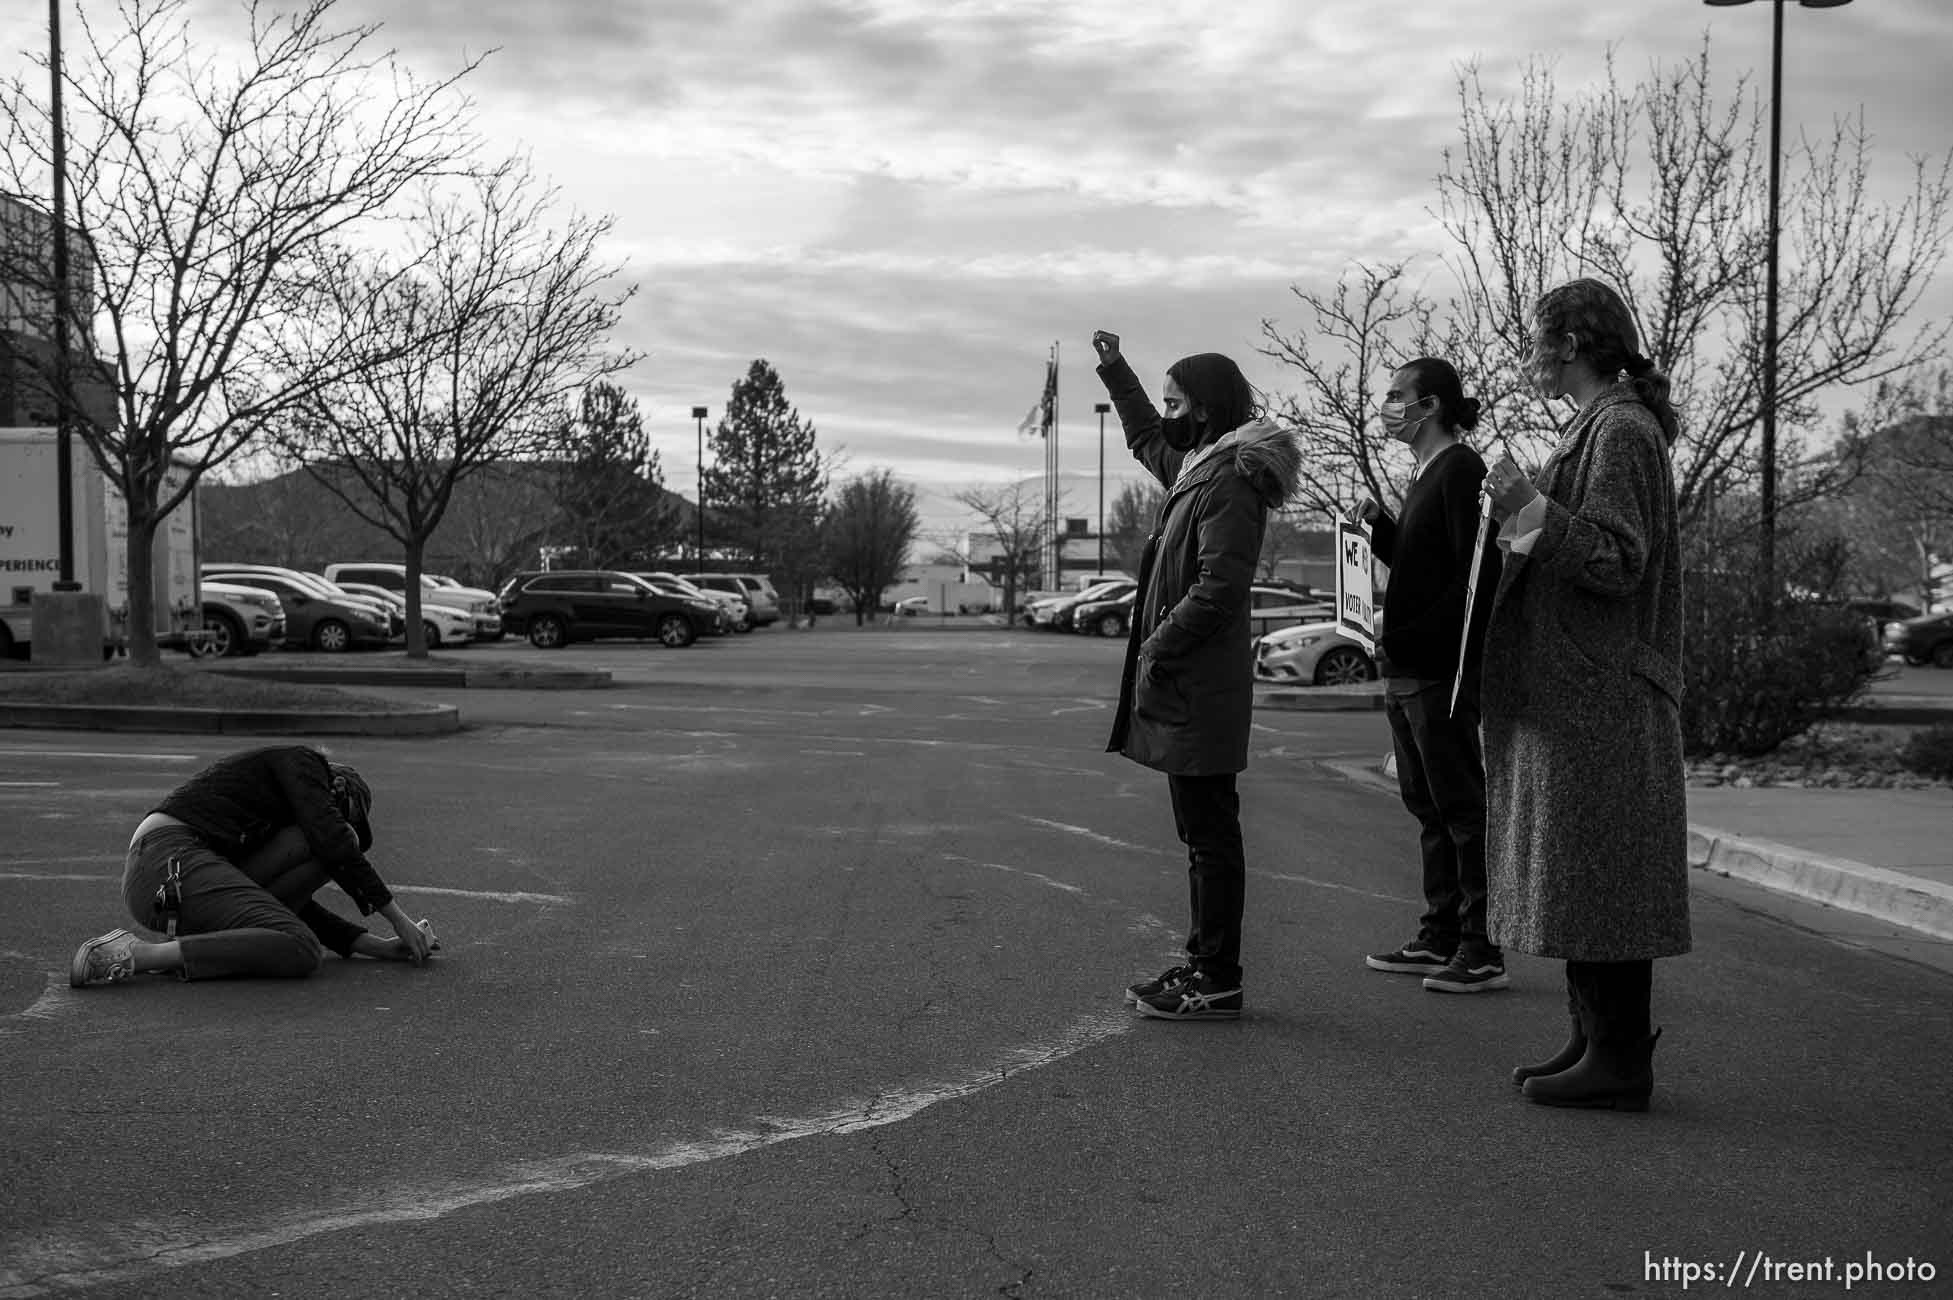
(565, 605)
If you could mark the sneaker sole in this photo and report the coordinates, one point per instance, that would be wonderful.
(1478, 986)
(1157, 1014)
(1403, 967)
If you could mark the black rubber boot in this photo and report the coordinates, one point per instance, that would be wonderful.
(1616, 1072)
(1576, 1044)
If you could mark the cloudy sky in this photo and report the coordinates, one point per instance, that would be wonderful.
(901, 204)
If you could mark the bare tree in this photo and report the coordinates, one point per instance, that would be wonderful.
(1130, 521)
(1017, 520)
(1656, 188)
(467, 352)
(504, 515)
(204, 197)
(868, 531)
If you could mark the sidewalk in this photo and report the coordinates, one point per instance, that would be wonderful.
(1886, 854)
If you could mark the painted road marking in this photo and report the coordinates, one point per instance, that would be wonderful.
(90, 753)
(1330, 884)
(1095, 836)
(1018, 871)
(72, 1257)
(490, 895)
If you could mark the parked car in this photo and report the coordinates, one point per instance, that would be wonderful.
(240, 620)
(1927, 639)
(444, 625)
(1315, 654)
(483, 604)
(1054, 612)
(556, 607)
(721, 619)
(314, 617)
(910, 606)
(739, 610)
(1272, 608)
(1105, 617)
(757, 588)
(322, 586)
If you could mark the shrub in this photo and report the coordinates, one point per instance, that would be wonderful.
(1929, 751)
(1752, 682)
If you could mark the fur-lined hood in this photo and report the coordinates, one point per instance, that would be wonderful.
(1262, 452)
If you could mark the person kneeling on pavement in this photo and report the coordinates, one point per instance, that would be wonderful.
(226, 867)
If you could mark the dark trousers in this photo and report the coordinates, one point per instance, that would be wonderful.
(250, 919)
(1207, 816)
(1441, 774)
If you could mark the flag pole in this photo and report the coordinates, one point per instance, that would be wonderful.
(1471, 596)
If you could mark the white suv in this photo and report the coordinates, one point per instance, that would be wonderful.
(757, 588)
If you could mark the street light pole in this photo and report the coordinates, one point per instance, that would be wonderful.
(1102, 408)
(1767, 536)
(64, 455)
(698, 413)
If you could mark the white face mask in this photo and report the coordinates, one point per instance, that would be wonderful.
(1398, 421)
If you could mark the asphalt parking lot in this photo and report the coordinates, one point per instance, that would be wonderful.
(790, 965)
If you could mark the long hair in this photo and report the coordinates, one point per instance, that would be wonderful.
(1604, 332)
(1437, 378)
(1213, 382)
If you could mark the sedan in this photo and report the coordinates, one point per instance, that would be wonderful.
(443, 625)
(1317, 654)
(1927, 639)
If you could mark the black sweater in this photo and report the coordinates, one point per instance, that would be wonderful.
(1429, 554)
(243, 799)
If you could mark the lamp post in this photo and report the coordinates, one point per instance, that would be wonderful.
(698, 413)
(1767, 536)
(64, 491)
(1102, 408)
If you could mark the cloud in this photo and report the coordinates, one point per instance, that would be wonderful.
(902, 203)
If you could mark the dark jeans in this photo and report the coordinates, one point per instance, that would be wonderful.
(236, 919)
(1207, 816)
(1441, 774)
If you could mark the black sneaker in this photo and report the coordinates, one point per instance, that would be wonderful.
(1418, 957)
(1469, 973)
(1159, 984)
(1196, 997)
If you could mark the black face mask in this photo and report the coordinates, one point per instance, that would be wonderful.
(1180, 432)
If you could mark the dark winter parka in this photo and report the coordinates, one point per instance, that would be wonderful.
(1186, 694)
(1586, 810)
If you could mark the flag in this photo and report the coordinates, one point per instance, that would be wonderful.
(1038, 419)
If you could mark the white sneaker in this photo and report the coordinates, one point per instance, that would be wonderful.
(426, 927)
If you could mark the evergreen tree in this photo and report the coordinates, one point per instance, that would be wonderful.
(764, 488)
(612, 494)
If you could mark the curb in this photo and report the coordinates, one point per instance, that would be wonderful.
(498, 678)
(1889, 896)
(1925, 906)
(432, 720)
(1321, 699)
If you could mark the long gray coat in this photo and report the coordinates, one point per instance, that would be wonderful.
(1186, 693)
(1587, 815)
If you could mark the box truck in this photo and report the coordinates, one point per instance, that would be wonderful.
(30, 545)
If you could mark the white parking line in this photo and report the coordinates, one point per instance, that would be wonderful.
(1017, 871)
(489, 895)
(1095, 836)
(1330, 884)
(71, 1257)
(91, 753)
